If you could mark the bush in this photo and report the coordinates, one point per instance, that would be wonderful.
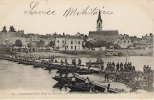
(18, 43)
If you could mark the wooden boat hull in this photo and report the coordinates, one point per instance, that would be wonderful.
(85, 72)
(17, 60)
(26, 62)
(62, 80)
(69, 69)
(80, 87)
(40, 65)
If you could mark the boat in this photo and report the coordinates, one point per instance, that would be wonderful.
(49, 67)
(8, 58)
(80, 87)
(28, 62)
(95, 64)
(85, 72)
(99, 87)
(68, 69)
(40, 65)
(62, 79)
(17, 60)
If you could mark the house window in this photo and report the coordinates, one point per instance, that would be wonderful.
(71, 42)
(71, 47)
(63, 41)
(78, 42)
(58, 41)
(128, 41)
(124, 41)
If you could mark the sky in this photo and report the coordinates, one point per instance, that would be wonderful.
(132, 17)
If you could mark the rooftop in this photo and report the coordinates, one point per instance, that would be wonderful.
(74, 37)
(104, 32)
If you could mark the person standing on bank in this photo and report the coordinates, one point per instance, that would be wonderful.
(74, 62)
(117, 74)
(79, 62)
(121, 67)
(73, 80)
(106, 75)
(117, 67)
(66, 63)
(87, 81)
(89, 65)
(102, 68)
(61, 62)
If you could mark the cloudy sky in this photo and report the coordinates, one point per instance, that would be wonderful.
(133, 17)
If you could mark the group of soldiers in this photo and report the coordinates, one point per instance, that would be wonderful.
(73, 62)
(127, 67)
(146, 69)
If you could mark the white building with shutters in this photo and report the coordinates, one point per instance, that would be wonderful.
(68, 42)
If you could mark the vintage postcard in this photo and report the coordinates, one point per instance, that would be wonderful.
(76, 49)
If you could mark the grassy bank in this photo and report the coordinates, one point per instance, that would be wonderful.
(91, 53)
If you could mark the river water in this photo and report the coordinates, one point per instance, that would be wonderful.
(18, 76)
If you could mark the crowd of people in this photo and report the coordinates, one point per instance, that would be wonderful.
(74, 63)
(147, 69)
(127, 67)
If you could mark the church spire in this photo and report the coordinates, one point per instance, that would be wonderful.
(99, 22)
(99, 16)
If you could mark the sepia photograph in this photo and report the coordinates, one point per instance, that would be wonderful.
(76, 49)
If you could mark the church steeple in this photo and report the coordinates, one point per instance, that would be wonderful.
(99, 22)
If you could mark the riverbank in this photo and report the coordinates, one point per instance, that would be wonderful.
(109, 52)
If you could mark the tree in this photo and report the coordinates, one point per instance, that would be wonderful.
(151, 34)
(12, 29)
(109, 44)
(55, 35)
(4, 29)
(85, 37)
(29, 45)
(90, 45)
(18, 43)
(116, 46)
(40, 43)
(51, 44)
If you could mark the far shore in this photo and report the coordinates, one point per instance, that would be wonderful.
(92, 53)
(140, 52)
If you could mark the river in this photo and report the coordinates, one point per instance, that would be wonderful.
(18, 76)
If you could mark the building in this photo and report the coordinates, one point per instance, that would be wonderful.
(147, 39)
(124, 41)
(135, 39)
(11, 37)
(60, 42)
(104, 35)
(68, 42)
(47, 38)
(32, 39)
(74, 43)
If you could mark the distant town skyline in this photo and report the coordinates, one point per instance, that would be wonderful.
(127, 16)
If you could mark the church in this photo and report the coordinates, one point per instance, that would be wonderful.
(104, 35)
